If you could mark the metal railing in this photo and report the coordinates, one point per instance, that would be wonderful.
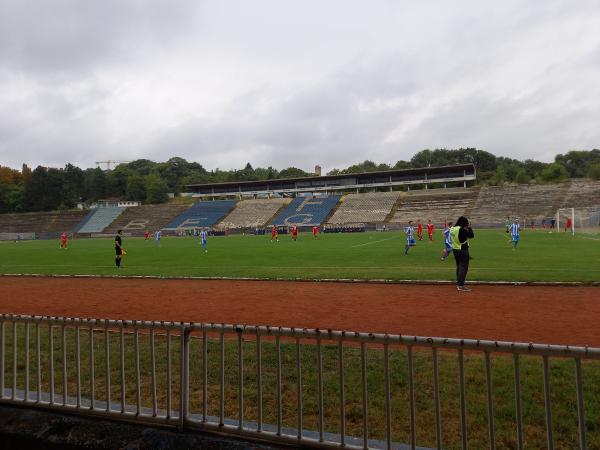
(202, 376)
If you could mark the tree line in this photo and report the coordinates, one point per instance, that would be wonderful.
(47, 188)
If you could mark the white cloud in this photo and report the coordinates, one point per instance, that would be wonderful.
(276, 83)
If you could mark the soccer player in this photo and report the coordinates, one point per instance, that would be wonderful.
(419, 230)
(274, 236)
(315, 232)
(568, 224)
(514, 228)
(447, 242)
(459, 236)
(63, 240)
(410, 237)
(430, 230)
(157, 236)
(118, 249)
(203, 243)
(146, 235)
(294, 232)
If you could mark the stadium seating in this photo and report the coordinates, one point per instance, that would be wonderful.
(253, 213)
(526, 201)
(44, 224)
(437, 205)
(137, 219)
(582, 193)
(202, 214)
(307, 211)
(101, 217)
(364, 208)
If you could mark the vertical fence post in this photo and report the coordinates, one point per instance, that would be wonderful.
(15, 353)
(184, 375)
(169, 383)
(411, 400)
(436, 399)
(92, 362)
(298, 388)
(547, 404)
(388, 396)
(463, 399)
(365, 401)
(26, 396)
(205, 375)
(78, 365)
(51, 356)
(2, 356)
(259, 380)
(122, 365)
(518, 412)
(580, 405)
(64, 361)
(241, 377)
(222, 378)
(38, 356)
(490, 401)
(320, 369)
(342, 393)
(107, 364)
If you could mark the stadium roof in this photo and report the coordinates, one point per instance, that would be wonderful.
(421, 175)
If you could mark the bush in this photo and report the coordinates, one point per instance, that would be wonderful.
(594, 171)
(554, 172)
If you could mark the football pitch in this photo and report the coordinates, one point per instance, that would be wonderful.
(540, 256)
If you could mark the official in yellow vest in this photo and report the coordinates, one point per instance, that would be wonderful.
(460, 234)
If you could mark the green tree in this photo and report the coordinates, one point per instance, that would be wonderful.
(594, 171)
(577, 162)
(73, 187)
(522, 177)
(136, 188)
(292, 172)
(554, 172)
(95, 184)
(156, 189)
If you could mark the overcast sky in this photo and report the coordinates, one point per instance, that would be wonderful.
(298, 83)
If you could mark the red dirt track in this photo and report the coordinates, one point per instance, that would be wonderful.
(547, 314)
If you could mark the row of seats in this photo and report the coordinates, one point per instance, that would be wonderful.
(99, 218)
(202, 214)
(253, 213)
(41, 222)
(365, 208)
(439, 207)
(306, 211)
(137, 219)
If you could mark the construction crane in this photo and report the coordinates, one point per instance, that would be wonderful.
(109, 162)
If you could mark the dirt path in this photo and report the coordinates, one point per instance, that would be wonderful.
(557, 315)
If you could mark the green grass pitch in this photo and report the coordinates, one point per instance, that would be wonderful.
(540, 256)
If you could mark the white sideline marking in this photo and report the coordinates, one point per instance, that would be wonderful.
(374, 242)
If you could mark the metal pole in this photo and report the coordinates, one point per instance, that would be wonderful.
(78, 365)
(2, 357)
(184, 378)
(222, 379)
(580, 404)
(278, 360)
(411, 400)
(547, 404)
(436, 399)
(38, 357)
(388, 396)
(342, 395)
(169, 393)
(26, 396)
(205, 376)
(153, 371)
(363, 380)
(518, 412)
(14, 380)
(298, 388)
(122, 365)
(463, 401)
(490, 401)
(51, 344)
(64, 358)
(320, 370)
(259, 381)
(107, 365)
(241, 380)
(138, 396)
(92, 383)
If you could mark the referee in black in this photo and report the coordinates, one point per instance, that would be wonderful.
(118, 249)
(460, 234)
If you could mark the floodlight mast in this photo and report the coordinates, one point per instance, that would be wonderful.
(109, 162)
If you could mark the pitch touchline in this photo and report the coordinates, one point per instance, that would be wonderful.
(374, 242)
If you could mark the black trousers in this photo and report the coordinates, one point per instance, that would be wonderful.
(462, 265)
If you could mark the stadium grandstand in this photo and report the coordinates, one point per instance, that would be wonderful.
(137, 219)
(306, 211)
(202, 214)
(253, 213)
(99, 218)
(440, 176)
(373, 207)
(38, 225)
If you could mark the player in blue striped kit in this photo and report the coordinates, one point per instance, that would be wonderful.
(203, 243)
(447, 242)
(514, 230)
(410, 237)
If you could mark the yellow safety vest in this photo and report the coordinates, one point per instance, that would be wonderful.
(456, 244)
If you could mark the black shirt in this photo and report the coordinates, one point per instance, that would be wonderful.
(463, 235)
(117, 241)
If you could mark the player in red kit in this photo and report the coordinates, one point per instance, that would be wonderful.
(569, 224)
(315, 232)
(146, 235)
(294, 232)
(274, 234)
(430, 230)
(63, 240)
(419, 230)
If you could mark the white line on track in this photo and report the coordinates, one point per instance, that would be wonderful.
(373, 242)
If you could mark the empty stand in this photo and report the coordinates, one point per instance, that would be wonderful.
(308, 211)
(101, 217)
(582, 194)
(525, 201)
(41, 223)
(364, 208)
(137, 219)
(202, 214)
(437, 205)
(253, 213)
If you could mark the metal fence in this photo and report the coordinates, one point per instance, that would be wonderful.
(306, 386)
